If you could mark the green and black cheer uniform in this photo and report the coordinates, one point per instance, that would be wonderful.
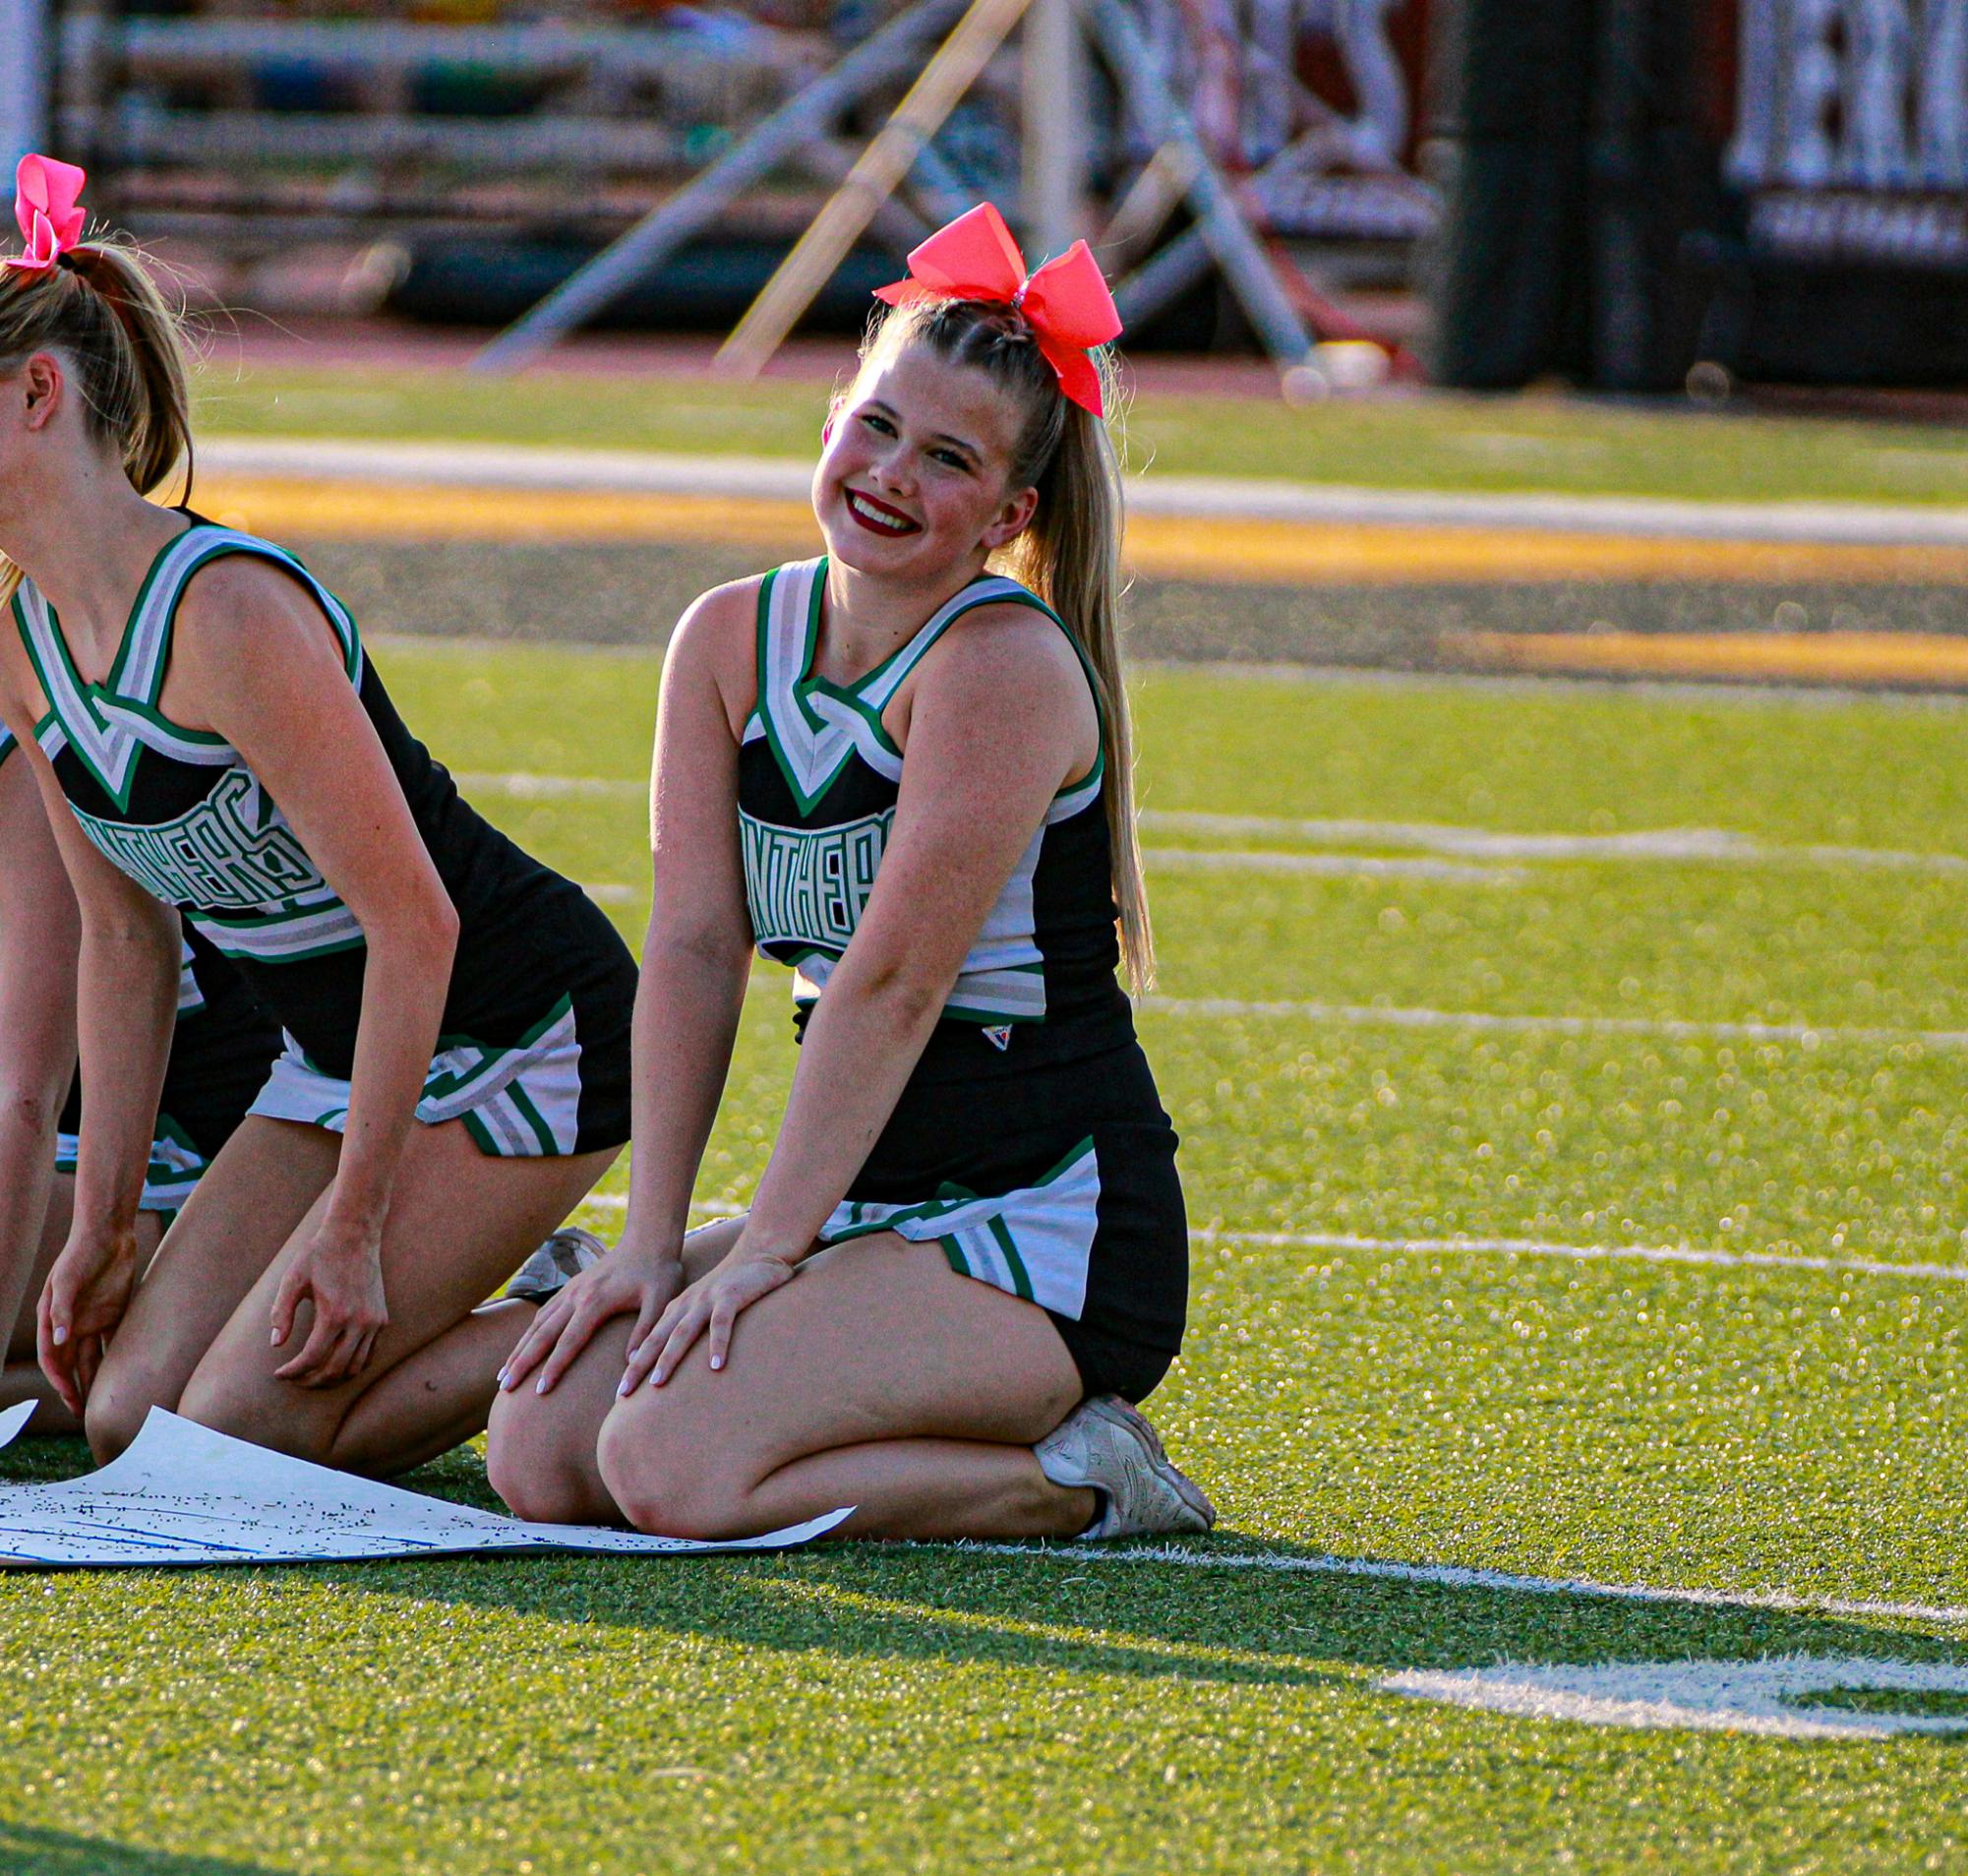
(221, 1048)
(1030, 1142)
(533, 1053)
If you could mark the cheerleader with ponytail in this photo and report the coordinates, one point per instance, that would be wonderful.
(901, 770)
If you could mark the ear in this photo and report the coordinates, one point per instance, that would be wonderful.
(42, 383)
(1012, 520)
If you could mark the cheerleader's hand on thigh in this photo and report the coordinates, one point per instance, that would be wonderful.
(622, 1283)
(80, 1304)
(339, 1274)
(708, 1307)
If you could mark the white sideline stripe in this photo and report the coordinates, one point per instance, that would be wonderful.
(1699, 845)
(528, 787)
(1374, 1015)
(789, 479)
(1712, 845)
(1331, 866)
(712, 1208)
(1491, 1248)
(1581, 1253)
(1456, 1577)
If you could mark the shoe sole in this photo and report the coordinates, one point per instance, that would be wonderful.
(1117, 1412)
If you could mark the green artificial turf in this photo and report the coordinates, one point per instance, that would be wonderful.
(1737, 1428)
(1564, 445)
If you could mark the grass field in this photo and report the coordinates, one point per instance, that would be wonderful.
(1565, 446)
(1379, 1031)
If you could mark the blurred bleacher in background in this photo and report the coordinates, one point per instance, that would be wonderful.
(1634, 195)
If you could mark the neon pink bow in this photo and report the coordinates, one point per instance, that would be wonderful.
(47, 205)
(1067, 303)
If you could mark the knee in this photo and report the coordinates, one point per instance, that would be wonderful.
(534, 1461)
(239, 1405)
(118, 1405)
(668, 1483)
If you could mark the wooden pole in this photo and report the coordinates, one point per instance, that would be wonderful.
(877, 171)
(1053, 113)
(660, 232)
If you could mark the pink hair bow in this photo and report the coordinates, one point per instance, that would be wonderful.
(1067, 303)
(47, 205)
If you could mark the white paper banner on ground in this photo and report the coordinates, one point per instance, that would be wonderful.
(183, 1493)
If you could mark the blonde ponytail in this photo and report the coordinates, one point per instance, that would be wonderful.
(1070, 557)
(1069, 554)
(101, 310)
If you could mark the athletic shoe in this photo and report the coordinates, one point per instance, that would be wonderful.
(1107, 1444)
(556, 1262)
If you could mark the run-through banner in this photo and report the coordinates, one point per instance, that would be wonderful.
(183, 1493)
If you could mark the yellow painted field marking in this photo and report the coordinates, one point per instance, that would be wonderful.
(1787, 658)
(1164, 546)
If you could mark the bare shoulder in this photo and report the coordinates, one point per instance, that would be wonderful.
(719, 625)
(1011, 651)
(714, 646)
(244, 606)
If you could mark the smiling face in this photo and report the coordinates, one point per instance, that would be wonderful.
(916, 480)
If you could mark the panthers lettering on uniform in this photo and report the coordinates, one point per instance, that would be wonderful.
(809, 885)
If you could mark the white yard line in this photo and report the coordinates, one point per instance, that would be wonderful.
(1327, 866)
(1715, 846)
(523, 786)
(788, 479)
(1376, 1016)
(1709, 845)
(1454, 1577)
(1581, 1253)
(1491, 1248)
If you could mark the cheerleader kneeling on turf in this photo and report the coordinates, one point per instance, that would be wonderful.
(211, 739)
(907, 776)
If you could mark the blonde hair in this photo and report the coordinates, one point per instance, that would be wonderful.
(1071, 553)
(101, 310)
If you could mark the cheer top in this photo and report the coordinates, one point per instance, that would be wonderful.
(818, 778)
(199, 965)
(180, 812)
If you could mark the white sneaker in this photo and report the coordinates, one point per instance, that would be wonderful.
(555, 1264)
(1109, 1445)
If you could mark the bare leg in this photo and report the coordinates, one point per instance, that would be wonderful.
(877, 1378)
(241, 1211)
(541, 1458)
(460, 1223)
(21, 1376)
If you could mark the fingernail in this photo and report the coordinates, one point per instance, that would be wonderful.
(622, 1388)
(717, 1361)
(61, 1336)
(540, 1386)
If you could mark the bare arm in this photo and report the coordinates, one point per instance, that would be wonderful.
(999, 721)
(41, 938)
(696, 956)
(696, 959)
(126, 999)
(257, 662)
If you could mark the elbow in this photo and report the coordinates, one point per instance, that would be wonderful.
(29, 1110)
(708, 947)
(443, 926)
(424, 935)
(905, 987)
